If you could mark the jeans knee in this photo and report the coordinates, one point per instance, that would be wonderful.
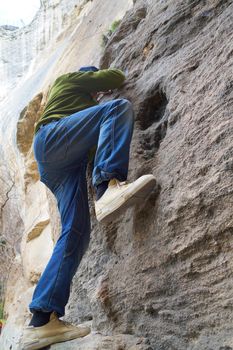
(127, 106)
(126, 103)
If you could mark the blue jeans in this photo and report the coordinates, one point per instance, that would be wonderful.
(61, 150)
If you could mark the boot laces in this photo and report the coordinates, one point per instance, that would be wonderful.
(66, 323)
(120, 184)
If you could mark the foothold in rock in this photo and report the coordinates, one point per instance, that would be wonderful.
(152, 109)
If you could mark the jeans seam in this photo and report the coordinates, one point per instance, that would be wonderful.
(64, 254)
(112, 136)
(60, 266)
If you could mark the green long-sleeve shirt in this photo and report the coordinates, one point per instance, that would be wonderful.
(71, 92)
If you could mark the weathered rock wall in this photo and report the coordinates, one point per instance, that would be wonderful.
(164, 271)
(161, 276)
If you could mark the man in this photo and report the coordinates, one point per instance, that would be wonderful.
(71, 125)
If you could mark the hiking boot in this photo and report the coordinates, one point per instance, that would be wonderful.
(55, 331)
(121, 195)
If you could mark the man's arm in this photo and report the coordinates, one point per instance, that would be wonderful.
(103, 80)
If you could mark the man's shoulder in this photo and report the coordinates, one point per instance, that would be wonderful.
(67, 76)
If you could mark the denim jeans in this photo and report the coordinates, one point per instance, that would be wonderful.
(61, 151)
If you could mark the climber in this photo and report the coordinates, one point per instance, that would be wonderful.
(72, 124)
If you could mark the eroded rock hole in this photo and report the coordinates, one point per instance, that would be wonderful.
(153, 122)
(152, 109)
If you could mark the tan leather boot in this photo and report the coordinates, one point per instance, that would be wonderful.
(121, 195)
(55, 331)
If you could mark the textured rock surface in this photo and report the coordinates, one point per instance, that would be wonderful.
(96, 341)
(165, 270)
(161, 276)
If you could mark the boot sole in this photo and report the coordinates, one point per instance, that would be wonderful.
(42, 343)
(127, 199)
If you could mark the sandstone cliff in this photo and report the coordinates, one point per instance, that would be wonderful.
(161, 276)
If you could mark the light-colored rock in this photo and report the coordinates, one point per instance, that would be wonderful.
(24, 137)
(18, 295)
(37, 230)
(37, 241)
(37, 253)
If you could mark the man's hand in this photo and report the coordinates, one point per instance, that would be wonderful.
(101, 94)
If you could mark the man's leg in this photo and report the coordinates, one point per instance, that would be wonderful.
(59, 149)
(53, 289)
(109, 126)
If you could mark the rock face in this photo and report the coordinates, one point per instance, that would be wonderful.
(161, 276)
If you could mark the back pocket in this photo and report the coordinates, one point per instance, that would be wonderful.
(56, 143)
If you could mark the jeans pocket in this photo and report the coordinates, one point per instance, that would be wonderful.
(51, 143)
(56, 143)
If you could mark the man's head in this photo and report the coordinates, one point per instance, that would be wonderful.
(88, 69)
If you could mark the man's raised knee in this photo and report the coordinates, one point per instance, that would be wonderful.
(126, 105)
(124, 101)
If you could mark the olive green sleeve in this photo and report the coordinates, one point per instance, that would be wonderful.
(103, 80)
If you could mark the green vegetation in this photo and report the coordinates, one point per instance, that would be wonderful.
(1, 311)
(105, 37)
(2, 301)
(114, 26)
